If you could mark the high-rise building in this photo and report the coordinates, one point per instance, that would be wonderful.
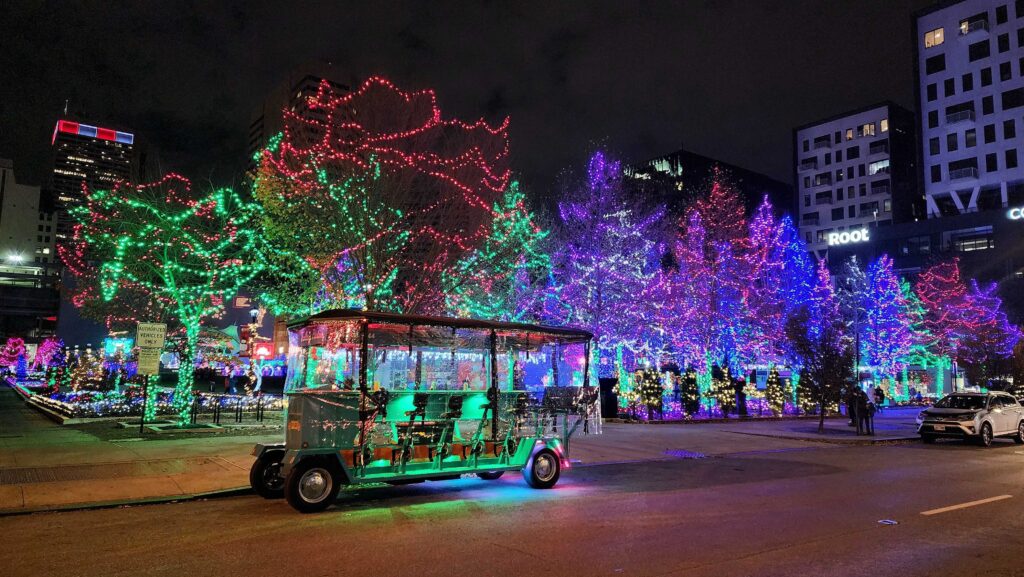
(28, 269)
(854, 172)
(679, 178)
(969, 57)
(292, 95)
(95, 156)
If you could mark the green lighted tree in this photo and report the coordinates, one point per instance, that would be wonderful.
(504, 277)
(160, 239)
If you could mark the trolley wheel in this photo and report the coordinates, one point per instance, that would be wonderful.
(490, 475)
(543, 469)
(265, 475)
(312, 485)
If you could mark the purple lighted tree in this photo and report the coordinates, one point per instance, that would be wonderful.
(607, 255)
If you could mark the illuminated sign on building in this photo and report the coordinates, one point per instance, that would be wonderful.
(848, 237)
(1016, 213)
(93, 132)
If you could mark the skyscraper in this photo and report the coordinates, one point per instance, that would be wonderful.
(969, 56)
(292, 95)
(95, 156)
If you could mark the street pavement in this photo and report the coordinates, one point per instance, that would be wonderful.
(801, 509)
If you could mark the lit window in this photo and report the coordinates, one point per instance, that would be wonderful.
(880, 166)
(933, 38)
(849, 134)
(866, 129)
(885, 125)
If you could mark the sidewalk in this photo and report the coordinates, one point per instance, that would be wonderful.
(45, 466)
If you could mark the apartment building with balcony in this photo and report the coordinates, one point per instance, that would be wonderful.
(855, 171)
(969, 59)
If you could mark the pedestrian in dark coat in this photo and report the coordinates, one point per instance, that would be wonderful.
(860, 410)
(863, 417)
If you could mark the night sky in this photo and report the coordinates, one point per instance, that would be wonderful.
(728, 79)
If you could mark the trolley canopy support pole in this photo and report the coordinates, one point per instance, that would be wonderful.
(494, 385)
(364, 347)
(586, 364)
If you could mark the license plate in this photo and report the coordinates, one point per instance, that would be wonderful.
(939, 427)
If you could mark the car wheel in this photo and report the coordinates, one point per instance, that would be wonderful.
(543, 469)
(1020, 433)
(985, 440)
(490, 475)
(265, 475)
(312, 485)
(928, 439)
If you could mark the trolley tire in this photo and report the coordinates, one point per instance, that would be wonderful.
(490, 475)
(302, 480)
(543, 469)
(265, 475)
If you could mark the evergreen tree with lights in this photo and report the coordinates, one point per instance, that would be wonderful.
(649, 391)
(188, 250)
(504, 277)
(774, 392)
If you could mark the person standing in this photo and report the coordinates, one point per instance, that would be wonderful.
(851, 404)
(862, 412)
(879, 397)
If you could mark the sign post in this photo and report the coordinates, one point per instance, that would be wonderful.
(150, 339)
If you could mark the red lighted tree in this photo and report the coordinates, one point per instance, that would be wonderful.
(379, 195)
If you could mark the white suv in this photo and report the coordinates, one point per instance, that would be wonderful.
(978, 416)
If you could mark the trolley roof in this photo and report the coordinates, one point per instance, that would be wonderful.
(564, 334)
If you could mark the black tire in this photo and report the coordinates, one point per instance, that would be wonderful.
(312, 485)
(928, 439)
(265, 475)
(490, 475)
(543, 469)
(1019, 437)
(985, 438)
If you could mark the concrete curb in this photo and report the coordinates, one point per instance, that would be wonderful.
(223, 493)
(859, 441)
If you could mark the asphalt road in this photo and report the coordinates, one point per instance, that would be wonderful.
(811, 510)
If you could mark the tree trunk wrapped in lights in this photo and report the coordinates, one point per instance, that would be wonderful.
(165, 242)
